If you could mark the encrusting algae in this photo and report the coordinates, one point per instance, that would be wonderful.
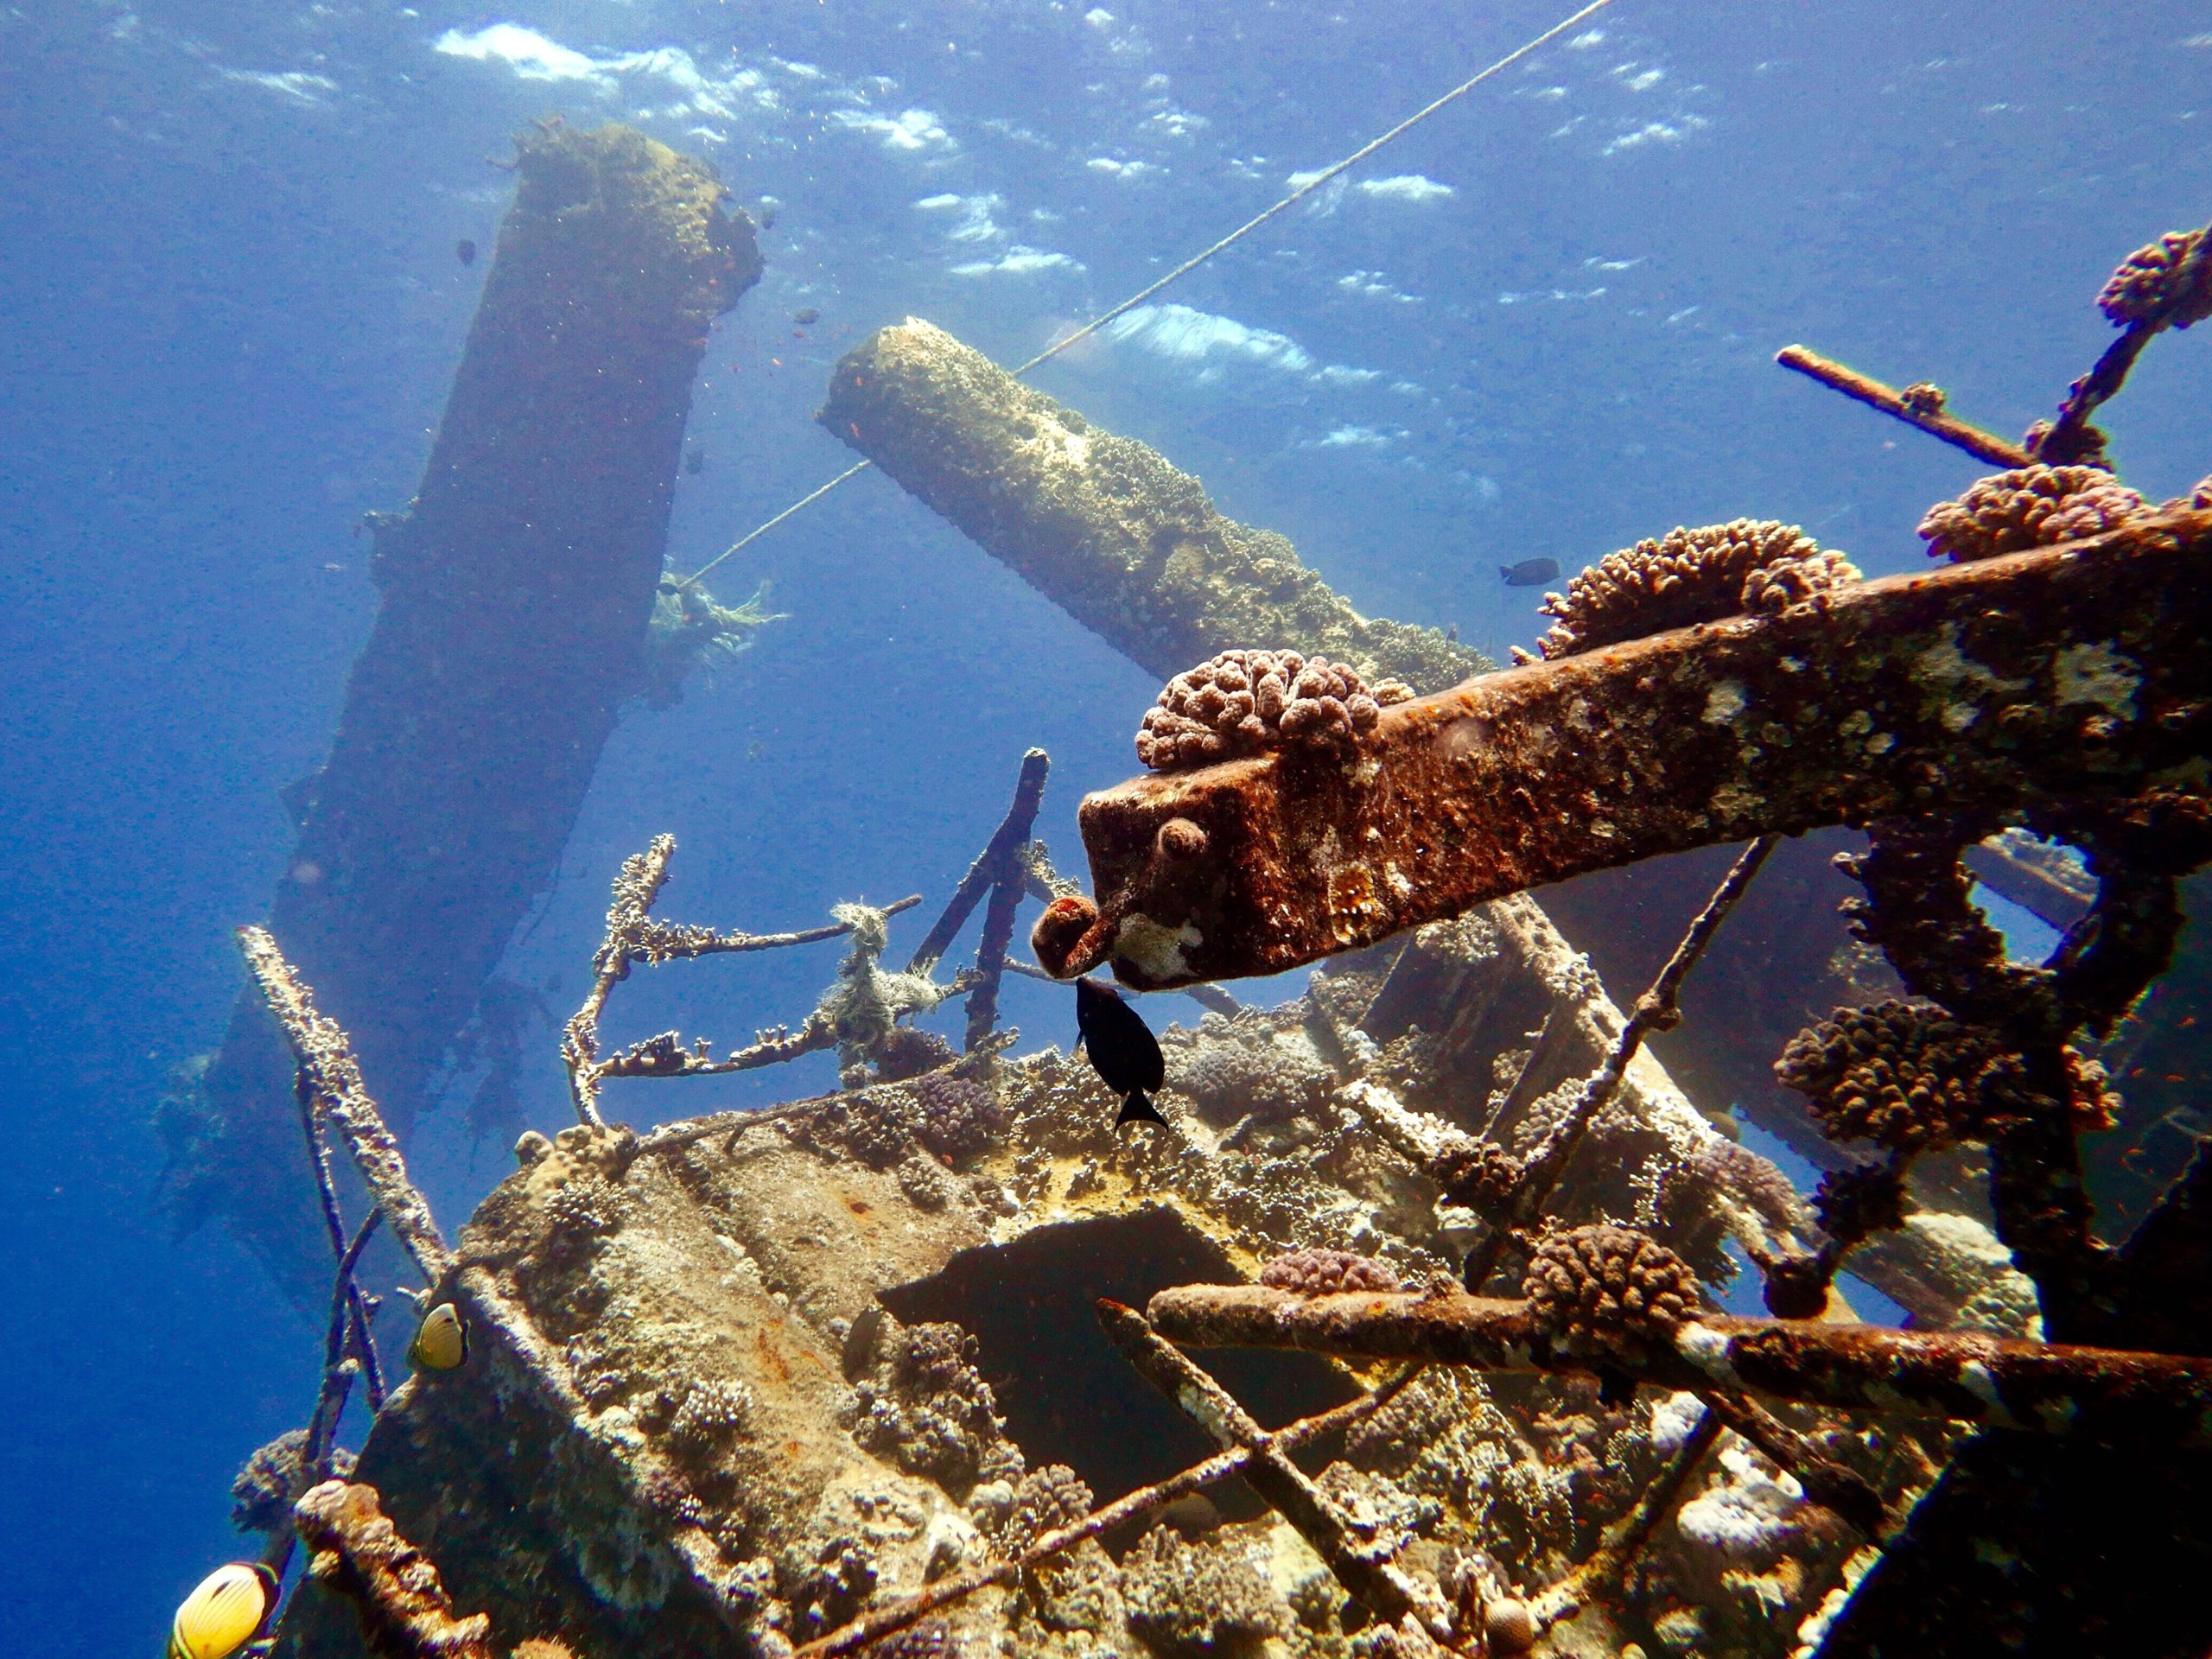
(850, 1374)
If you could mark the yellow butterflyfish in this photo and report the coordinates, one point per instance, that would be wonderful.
(227, 1610)
(441, 1342)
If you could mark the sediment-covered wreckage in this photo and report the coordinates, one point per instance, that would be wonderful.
(903, 1369)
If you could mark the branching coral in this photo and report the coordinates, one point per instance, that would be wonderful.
(1242, 702)
(1608, 1289)
(1691, 575)
(2027, 507)
(932, 1415)
(1251, 1066)
(1478, 1175)
(932, 1638)
(827, 1583)
(713, 1412)
(955, 1117)
(1043, 1499)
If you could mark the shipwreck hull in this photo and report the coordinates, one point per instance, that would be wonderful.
(1132, 549)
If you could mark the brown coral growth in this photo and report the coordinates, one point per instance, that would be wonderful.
(1479, 1175)
(2166, 284)
(1903, 1075)
(1608, 1288)
(1243, 702)
(2028, 507)
(1688, 576)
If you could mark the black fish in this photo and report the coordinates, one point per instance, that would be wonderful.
(806, 317)
(465, 250)
(1121, 1047)
(1530, 572)
(696, 462)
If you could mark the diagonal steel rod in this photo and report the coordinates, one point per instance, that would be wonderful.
(1375, 1582)
(1657, 1009)
(896, 1616)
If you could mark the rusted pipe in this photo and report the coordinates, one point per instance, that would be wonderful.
(1929, 415)
(2067, 672)
(1992, 1381)
(1365, 1573)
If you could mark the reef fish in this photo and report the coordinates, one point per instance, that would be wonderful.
(1123, 1049)
(806, 317)
(695, 460)
(465, 250)
(442, 1344)
(1528, 573)
(226, 1611)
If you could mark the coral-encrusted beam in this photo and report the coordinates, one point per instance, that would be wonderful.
(2067, 672)
(405, 1613)
(2040, 1387)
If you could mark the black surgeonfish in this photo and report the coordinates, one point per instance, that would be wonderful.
(1123, 1049)
(1529, 572)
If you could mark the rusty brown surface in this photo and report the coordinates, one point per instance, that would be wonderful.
(2066, 672)
(2045, 1388)
(1929, 415)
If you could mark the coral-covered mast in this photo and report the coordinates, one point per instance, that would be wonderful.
(516, 592)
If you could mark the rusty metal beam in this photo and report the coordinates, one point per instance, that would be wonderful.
(1992, 687)
(2041, 1388)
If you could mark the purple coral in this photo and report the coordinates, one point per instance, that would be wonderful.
(932, 1638)
(2167, 284)
(956, 1117)
(2029, 507)
(1688, 576)
(1243, 702)
(1323, 1273)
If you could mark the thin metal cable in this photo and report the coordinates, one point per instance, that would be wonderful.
(1305, 189)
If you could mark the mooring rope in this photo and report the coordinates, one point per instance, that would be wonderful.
(1305, 189)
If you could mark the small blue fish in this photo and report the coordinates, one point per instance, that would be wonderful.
(1529, 573)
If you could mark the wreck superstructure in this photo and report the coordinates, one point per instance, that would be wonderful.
(901, 1368)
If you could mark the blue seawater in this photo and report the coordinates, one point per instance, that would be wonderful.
(1538, 326)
